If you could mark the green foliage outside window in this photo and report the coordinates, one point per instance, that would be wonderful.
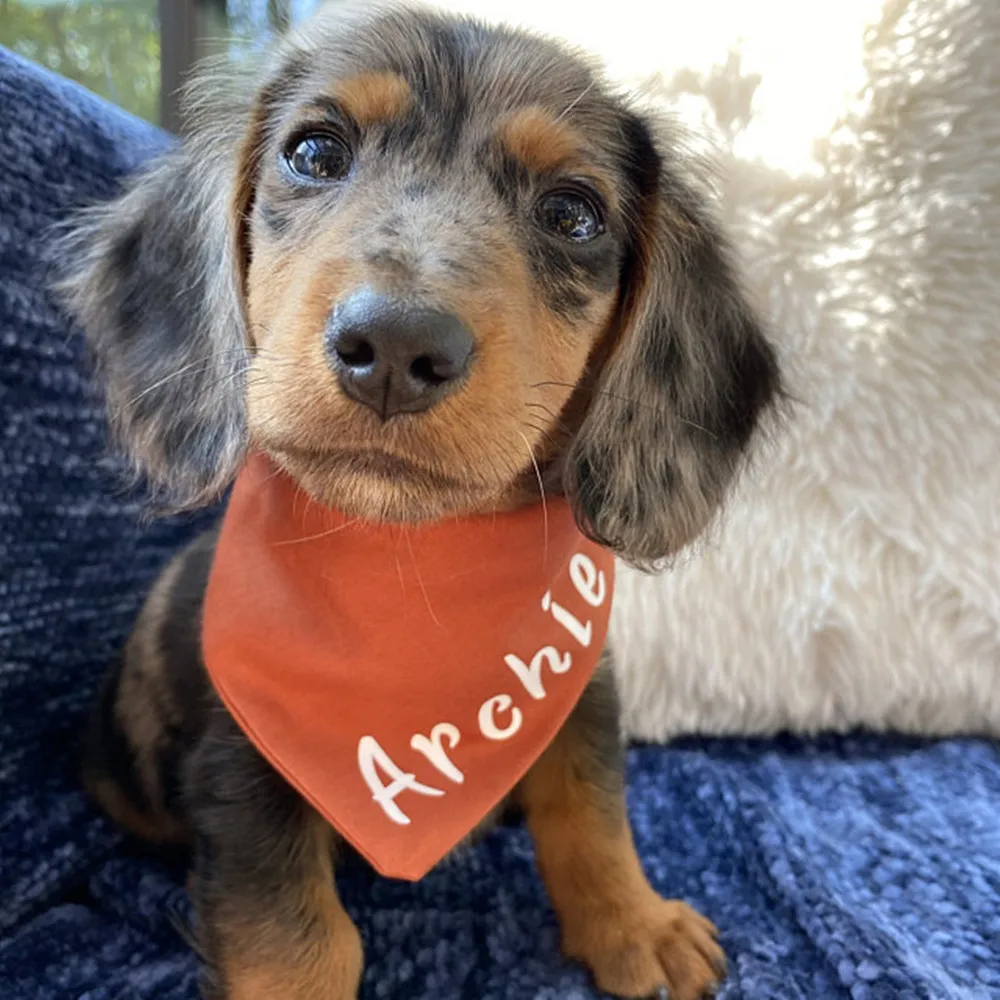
(113, 48)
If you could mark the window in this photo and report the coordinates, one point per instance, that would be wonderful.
(136, 53)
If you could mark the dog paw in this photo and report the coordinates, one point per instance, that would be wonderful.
(660, 949)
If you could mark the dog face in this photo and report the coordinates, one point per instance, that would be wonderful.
(411, 198)
(432, 268)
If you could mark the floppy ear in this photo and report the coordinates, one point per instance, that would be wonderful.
(687, 380)
(156, 278)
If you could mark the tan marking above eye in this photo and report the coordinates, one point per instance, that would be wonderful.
(370, 98)
(539, 140)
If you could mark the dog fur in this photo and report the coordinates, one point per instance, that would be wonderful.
(629, 373)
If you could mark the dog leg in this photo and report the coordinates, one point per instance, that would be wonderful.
(270, 924)
(634, 942)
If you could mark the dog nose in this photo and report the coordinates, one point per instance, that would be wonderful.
(396, 357)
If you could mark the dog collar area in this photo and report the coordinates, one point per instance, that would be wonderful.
(402, 678)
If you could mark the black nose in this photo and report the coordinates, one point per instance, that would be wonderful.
(394, 357)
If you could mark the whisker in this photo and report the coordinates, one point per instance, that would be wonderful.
(203, 364)
(572, 104)
(626, 399)
(420, 579)
(538, 430)
(541, 490)
(319, 534)
(593, 389)
(199, 365)
(557, 422)
(399, 566)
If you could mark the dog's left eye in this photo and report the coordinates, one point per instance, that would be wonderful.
(319, 157)
(570, 215)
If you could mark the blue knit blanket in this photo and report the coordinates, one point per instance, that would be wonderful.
(855, 867)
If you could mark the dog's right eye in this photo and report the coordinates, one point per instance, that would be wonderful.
(570, 215)
(319, 156)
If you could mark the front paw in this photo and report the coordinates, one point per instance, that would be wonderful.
(657, 948)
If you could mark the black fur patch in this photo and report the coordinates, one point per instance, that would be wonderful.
(107, 753)
(570, 275)
(277, 222)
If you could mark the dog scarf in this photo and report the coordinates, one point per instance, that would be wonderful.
(402, 678)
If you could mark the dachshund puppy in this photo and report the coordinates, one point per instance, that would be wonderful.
(491, 208)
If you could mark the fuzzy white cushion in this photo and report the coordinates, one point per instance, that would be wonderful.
(855, 579)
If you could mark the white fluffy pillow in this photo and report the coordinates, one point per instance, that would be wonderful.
(856, 578)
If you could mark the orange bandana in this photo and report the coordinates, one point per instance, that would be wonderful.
(402, 679)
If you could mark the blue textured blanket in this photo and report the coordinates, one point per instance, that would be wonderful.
(856, 867)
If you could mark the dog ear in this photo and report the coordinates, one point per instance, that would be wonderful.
(156, 278)
(689, 374)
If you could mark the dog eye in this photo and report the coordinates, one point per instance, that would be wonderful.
(571, 216)
(319, 156)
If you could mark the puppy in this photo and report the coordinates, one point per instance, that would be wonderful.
(420, 165)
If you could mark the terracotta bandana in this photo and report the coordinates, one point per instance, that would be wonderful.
(402, 679)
